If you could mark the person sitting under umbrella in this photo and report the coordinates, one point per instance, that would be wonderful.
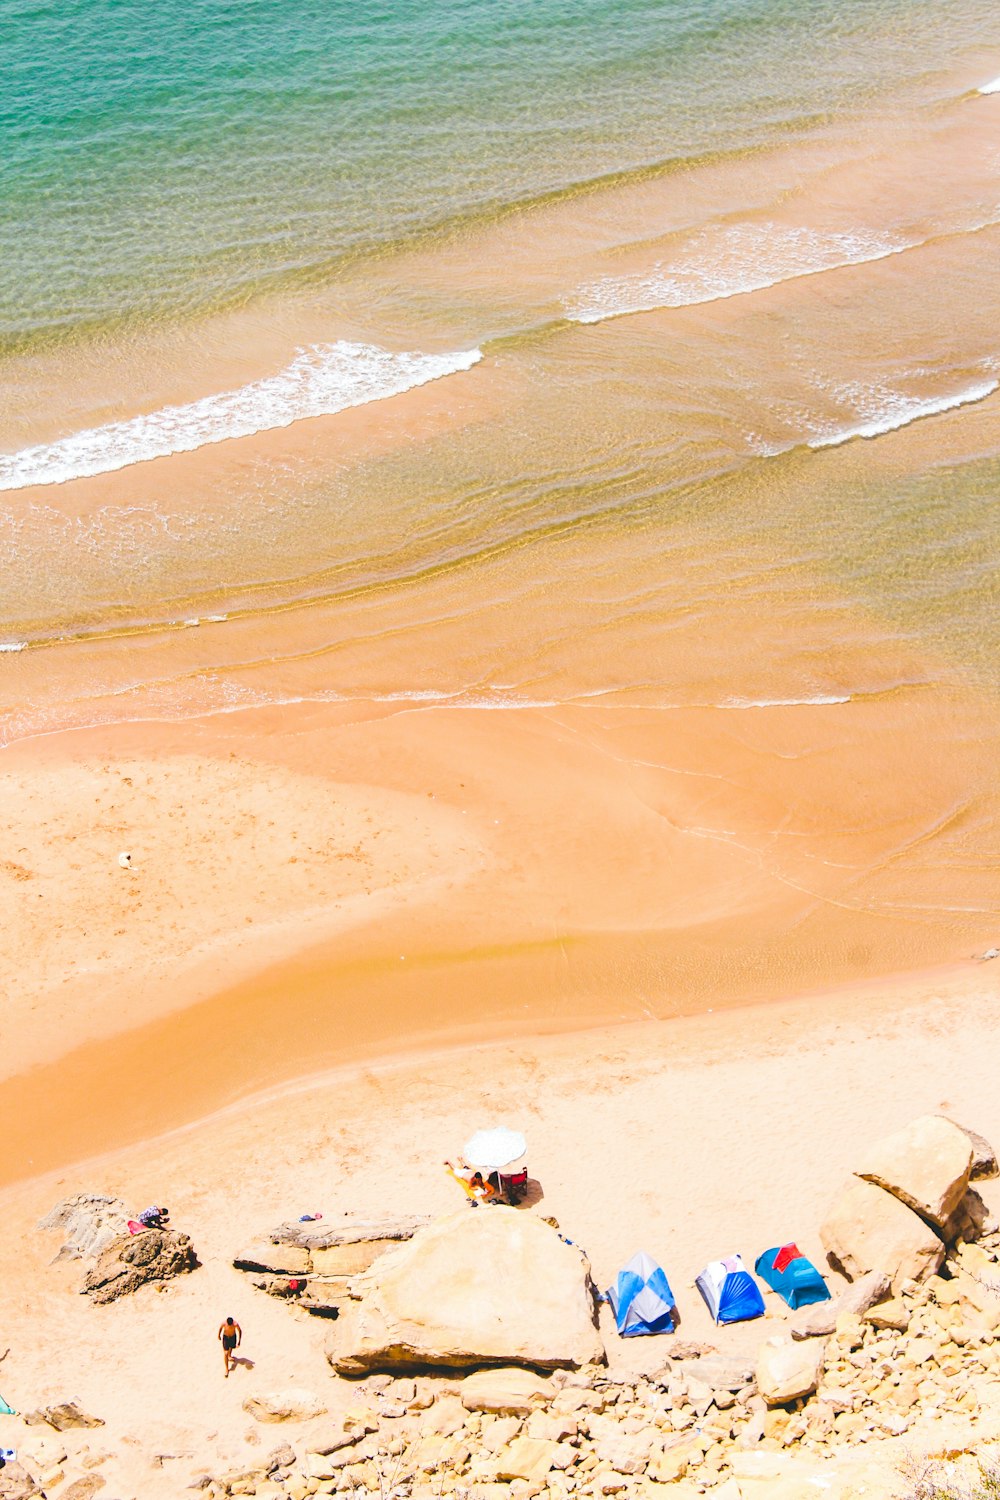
(498, 1154)
(472, 1183)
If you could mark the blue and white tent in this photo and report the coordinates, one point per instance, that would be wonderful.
(794, 1277)
(730, 1291)
(641, 1299)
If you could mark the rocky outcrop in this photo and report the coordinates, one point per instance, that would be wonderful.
(88, 1222)
(315, 1235)
(495, 1287)
(276, 1260)
(925, 1165)
(63, 1416)
(132, 1260)
(83, 1488)
(16, 1483)
(311, 1264)
(908, 1200)
(868, 1229)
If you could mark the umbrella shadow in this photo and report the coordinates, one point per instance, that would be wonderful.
(533, 1193)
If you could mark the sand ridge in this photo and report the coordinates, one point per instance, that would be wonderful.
(232, 859)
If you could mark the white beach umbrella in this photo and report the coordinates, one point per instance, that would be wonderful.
(490, 1150)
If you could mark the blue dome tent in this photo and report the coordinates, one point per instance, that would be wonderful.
(730, 1291)
(641, 1299)
(788, 1272)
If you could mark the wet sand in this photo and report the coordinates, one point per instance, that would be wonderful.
(319, 883)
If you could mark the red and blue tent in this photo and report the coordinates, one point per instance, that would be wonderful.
(789, 1273)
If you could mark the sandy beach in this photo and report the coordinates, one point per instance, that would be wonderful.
(713, 1133)
(498, 539)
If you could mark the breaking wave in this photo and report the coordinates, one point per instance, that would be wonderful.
(729, 263)
(320, 381)
(904, 413)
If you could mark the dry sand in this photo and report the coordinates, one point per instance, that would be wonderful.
(690, 1138)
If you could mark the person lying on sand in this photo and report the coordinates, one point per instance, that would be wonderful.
(231, 1335)
(476, 1189)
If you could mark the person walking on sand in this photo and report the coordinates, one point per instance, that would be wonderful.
(231, 1335)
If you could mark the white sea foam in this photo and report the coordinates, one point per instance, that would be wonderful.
(990, 88)
(905, 412)
(729, 262)
(13, 645)
(320, 381)
(822, 700)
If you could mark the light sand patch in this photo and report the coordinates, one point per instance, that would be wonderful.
(226, 854)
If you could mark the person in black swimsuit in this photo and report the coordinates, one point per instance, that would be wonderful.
(231, 1336)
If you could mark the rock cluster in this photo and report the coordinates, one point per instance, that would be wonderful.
(914, 1336)
(127, 1263)
(473, 1288)
(908, 1200)
(62, 1417)
(705, 1421)
(47, 1468)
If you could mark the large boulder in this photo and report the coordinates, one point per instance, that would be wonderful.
(925, 1165)
(787, 1370)
(870, 1230)
(135, 1259)
(495, 1286)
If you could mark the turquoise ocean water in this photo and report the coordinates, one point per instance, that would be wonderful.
(162, 164)
(157, 161)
